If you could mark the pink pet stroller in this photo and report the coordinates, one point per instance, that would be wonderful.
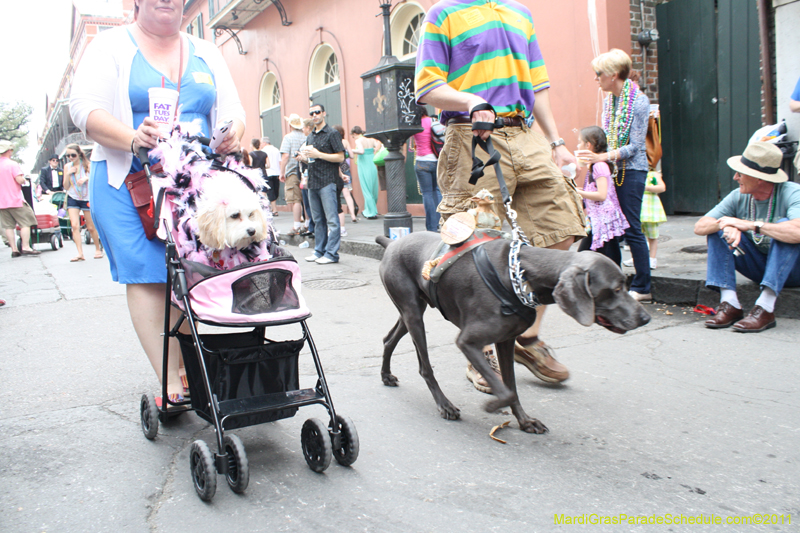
(242, 379)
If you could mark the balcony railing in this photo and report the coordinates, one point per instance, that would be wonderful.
(236, 14)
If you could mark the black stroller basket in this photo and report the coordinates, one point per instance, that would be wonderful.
(249, 377)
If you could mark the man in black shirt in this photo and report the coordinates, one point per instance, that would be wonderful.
(323, 152)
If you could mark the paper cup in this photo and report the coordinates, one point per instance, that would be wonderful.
(162, 107)
(581, 161)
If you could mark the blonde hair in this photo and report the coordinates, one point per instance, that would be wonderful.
(615, 61)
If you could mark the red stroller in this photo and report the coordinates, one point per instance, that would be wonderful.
(243, 379)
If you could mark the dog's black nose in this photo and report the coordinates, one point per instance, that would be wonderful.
(251, 231)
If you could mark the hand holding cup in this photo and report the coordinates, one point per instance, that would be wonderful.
(584, 157)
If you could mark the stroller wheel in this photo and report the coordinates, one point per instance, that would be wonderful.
(87, 237)
(346, 452)
(54, 242)
(238, 475)
(204, 475)
(316, 445)
(149, 414)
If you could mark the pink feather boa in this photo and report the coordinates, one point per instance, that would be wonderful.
(186, 168)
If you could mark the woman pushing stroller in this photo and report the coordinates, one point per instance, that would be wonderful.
(110, 103)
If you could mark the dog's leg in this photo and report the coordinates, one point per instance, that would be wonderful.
(505, 358)
(416, 327)
(389, 343)
(473, 349)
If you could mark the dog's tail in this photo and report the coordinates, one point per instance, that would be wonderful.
(383, 240)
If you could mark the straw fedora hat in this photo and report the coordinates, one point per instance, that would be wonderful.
(295, 121)
(760, 160)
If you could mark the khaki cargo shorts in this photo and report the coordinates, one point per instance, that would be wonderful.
(10, 217)
(291, 189)
(549, 208)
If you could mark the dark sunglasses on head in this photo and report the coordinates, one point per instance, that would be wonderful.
(72, 155)
(312, 113)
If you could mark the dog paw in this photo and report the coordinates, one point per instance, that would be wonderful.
(450, 411)
(532, 425)
(390, 380)
(498, 403)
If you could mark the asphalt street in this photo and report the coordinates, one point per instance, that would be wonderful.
(669, 420)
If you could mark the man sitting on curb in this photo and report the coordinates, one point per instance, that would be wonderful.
(754, 230)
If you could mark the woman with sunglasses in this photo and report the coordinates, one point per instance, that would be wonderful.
(76, 183)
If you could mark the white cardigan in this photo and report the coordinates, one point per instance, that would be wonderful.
(102, 80)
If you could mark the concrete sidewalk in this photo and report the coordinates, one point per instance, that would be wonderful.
(679, 278)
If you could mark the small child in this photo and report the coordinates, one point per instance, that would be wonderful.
(652, 215)
(600, 199)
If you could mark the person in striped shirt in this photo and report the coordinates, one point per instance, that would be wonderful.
(480, 51)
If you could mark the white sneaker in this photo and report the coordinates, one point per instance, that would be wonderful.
(344, 232)
(313, 257)
(324, 261)
(653, 263)
(628, 262)
(640, 297)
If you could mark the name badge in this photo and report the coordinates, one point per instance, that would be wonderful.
(203, 77)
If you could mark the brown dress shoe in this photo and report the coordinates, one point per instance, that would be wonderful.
(757, 320)
(725, 317)
(538, 358)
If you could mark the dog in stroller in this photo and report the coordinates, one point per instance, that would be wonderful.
(225, 269)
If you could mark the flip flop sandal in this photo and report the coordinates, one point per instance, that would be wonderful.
(76, 259)
(102, 255)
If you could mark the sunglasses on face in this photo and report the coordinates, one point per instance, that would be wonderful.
(312, 113)
(72, 155)
(598, 74)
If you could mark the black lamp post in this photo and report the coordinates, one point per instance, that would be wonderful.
(391, 116)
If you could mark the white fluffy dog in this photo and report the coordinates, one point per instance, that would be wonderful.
(229, 214)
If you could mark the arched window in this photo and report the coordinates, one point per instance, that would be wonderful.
(270, 92)
(276, 94)
(407, 27)
(269, 104)
(413, 34)
(331, 70)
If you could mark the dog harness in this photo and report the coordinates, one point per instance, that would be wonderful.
(448, 255)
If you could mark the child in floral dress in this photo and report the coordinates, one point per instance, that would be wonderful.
(608, 223)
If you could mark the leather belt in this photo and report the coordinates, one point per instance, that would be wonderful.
(508, 122)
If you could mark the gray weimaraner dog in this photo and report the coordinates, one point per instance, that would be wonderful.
(587, 286)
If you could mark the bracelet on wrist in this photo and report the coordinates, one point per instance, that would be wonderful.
(132, 141)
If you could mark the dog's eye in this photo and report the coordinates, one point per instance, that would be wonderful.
(252, 215)
(236, 216)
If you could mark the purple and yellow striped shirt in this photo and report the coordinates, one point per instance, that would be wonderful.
(482, 47)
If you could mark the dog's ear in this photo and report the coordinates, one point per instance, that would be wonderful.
(573, 297)
(211, 225)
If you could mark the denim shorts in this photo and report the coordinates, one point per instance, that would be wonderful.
(83, 205)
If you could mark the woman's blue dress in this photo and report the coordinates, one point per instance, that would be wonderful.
(133, 258)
